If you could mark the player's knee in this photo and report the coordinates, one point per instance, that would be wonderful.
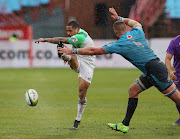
(133, 91)
(82, 93)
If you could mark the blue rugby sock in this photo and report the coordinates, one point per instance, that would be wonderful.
(132, 104)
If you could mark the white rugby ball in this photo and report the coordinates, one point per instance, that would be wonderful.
(31, 97)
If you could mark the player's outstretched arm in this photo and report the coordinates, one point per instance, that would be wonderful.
(82, 51)
(52, 40)
(130, 22)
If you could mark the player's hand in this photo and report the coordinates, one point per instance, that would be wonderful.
(39, 40)
(114, 14)
(172, 75)
(66, 50)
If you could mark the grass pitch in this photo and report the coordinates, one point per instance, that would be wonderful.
(58, 95)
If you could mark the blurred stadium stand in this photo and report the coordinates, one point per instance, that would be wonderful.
(45, 16)
(47, 26)
(160, 18)
(9, 6)
(173, 7)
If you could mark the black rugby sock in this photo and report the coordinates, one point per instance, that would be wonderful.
(132, 104)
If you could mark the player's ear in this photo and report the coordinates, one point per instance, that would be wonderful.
(115, 32)
(77, 30)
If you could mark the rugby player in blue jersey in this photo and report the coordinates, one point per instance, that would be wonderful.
(132, 45)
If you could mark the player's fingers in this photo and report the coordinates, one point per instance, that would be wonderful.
(174, 78)
(60, 49)
(63, 54)
(111, 9)
(113, 17)
(65, 46)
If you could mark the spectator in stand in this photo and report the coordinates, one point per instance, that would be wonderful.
(13, 38)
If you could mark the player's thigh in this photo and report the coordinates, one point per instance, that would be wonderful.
(140, 85)
(134, 90)
(143, 82)
(157, 74)
(85, 71)
(159, 78)
(73, 63)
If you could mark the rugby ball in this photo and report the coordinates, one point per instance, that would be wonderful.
(31, 97)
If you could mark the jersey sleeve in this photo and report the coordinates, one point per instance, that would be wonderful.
(138, 31)
(112, 48)
(171, 48)
(76, 39)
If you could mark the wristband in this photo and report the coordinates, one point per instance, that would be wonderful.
(73, 51)
(120, 18)
(76, 50)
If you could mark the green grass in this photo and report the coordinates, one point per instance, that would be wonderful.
(56, 110)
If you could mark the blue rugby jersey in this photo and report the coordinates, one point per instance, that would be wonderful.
(133, 47)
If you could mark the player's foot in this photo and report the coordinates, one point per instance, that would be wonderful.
(66, 58)
(60, 44)
(119, 127)
(177, 122)
(75, 126)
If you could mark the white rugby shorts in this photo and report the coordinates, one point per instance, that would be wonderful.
(85, 70)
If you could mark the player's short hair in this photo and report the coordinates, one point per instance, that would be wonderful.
(74, 24)
(119, 26)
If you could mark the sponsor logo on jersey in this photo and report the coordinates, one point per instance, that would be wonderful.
(73, 39)
(129, 36)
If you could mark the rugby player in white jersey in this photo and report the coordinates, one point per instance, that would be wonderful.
(82, 64)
